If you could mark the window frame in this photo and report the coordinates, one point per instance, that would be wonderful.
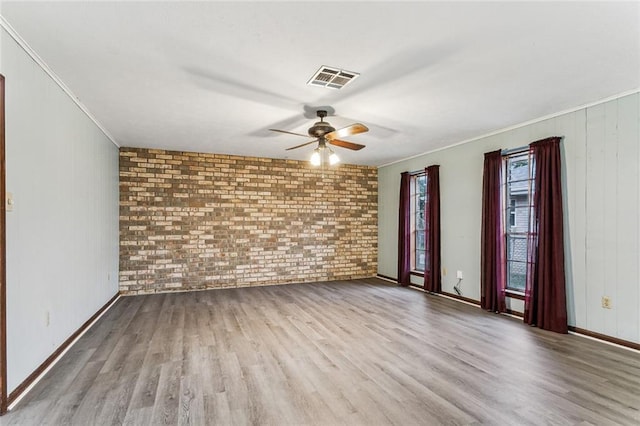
(414, 220)
(510, 207)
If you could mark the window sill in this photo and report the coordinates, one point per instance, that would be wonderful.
(514, 294)
(417, 273)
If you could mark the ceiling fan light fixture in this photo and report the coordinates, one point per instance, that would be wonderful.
(333, 158)
(316, 158)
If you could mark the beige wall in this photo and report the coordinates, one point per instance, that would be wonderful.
(62, 235)
(601, 172)
(195, 221)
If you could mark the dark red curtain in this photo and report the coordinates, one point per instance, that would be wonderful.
(404, 230)
(545, 294)
(492, 265)
(432, 278)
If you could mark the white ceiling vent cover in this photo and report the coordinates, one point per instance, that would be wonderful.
(332, 78)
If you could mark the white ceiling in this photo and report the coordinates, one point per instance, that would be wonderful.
(215, 76)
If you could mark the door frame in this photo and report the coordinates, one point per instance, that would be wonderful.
(3, 258)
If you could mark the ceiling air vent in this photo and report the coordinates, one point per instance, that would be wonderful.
(332, 78)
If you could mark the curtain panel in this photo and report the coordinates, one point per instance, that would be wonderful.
(492, 259)
(545, 293)
(404, 230)
(432, 277)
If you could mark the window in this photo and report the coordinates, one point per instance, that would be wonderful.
(418, 222)
(519, 181)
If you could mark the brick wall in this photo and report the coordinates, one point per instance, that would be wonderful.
(195, 221)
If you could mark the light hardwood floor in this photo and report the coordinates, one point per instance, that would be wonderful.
(355, 353)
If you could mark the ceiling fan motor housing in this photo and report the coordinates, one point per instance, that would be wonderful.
(321, 128)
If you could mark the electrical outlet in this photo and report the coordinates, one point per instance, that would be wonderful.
(47, 318)
(606, 302)
(459, 275)
(444, 272)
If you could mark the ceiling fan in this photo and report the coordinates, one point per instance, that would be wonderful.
(324, 133)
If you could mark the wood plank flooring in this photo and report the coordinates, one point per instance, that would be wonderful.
(342, 353)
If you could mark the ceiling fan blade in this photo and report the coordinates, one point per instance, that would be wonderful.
(290, 133)
(345, 144)
(301, 145)
(353, 129)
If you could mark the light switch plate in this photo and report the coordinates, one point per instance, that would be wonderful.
(8, 202)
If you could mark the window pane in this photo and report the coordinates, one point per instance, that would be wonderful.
(421, 182)
(511, 213)
(420, 260)
(518, 170)
(420, 222)
(420, 240)
(516, 275)
(517, 247)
